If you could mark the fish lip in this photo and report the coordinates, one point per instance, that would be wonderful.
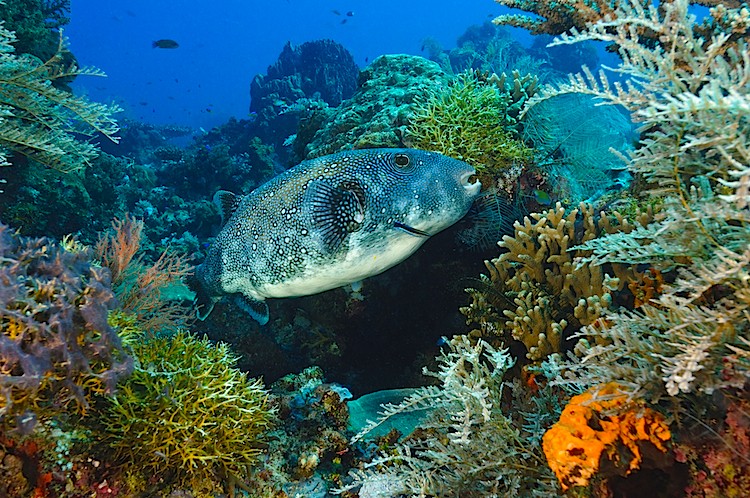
(466, 183)
(411, 230)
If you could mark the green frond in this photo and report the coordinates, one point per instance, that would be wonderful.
(41, 121)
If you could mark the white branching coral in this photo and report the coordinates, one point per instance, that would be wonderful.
(468, 445)
(681, 368)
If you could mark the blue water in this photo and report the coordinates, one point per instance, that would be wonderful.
(224, 44)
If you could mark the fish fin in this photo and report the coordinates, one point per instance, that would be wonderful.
(337, 211)
(256, 309)
(227, 202)
(204, 304)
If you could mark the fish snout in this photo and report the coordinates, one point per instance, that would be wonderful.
(470, 183)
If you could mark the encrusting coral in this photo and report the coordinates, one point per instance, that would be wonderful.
(536, 293)
(56, 347)
(601, 424)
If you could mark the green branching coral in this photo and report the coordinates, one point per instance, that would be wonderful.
(471, 119)
(536, 293)
(186, 414)
(40, 121)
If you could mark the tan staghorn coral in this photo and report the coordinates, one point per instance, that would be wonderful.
(536, 292)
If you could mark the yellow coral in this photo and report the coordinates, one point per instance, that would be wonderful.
(601, 422)
(542, 295)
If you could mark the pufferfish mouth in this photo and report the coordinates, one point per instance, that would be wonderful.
(410, 230)
(470, 182)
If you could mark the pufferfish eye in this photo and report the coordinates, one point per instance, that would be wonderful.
(402, 160)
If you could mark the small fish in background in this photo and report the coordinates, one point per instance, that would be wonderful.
(542, 197)
(165, 43)
(336, 12)
(350, 13)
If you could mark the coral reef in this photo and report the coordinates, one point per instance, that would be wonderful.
(471, 120)
(308, 448)
(186, 416)
(556, 17)
(582, 159)
(601, 425)
(469, 446)
(719, 467)
(37, 25)
(693, 156)
(57, 349)
(140, 288)
(536, 294)
(379, 112)
(303, 79)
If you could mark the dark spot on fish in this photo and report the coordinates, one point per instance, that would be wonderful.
(165, 43)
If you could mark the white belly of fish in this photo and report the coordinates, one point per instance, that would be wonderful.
(358, 264)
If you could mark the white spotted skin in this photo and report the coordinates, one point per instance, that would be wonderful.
(275, 246)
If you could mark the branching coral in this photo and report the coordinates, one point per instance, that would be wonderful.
(471, 120)
(187, 412)
(56, 347)
(556, 17)
(535, 292)
(469, 446)
(139, 287)
(40, 121)
(691, 95)
(601, 425)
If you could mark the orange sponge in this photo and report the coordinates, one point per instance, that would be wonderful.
(606, 425)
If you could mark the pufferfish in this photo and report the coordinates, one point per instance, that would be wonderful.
(329, 222)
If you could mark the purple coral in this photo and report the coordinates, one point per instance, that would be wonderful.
(56, 345)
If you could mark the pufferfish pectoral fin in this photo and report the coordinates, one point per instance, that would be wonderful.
(336, 211)
(258, 310)
(227, 202)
